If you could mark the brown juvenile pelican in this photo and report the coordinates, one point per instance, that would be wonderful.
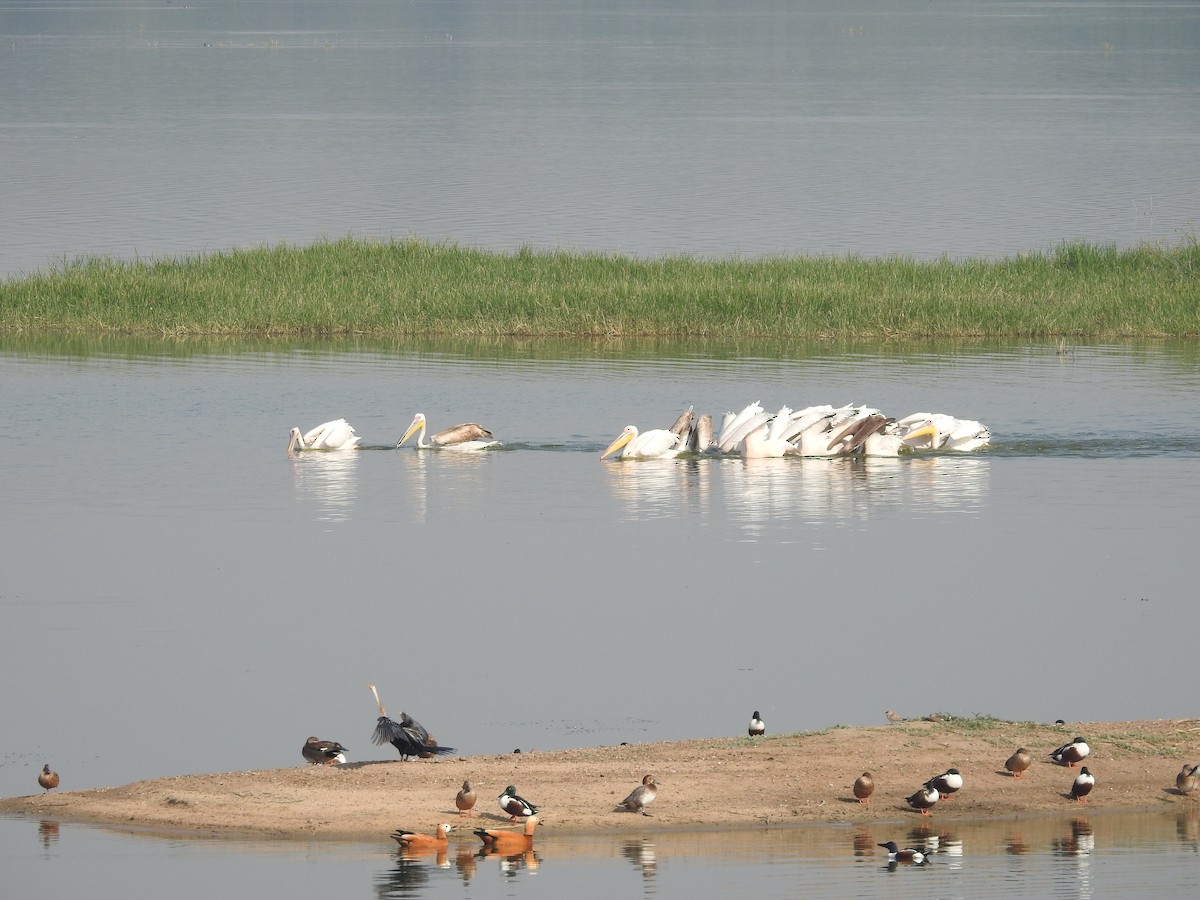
(408, 735)
(641, 796)
(323, 753)
(467, 436)
(335, 435)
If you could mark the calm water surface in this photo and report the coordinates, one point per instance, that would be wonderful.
(919, 127)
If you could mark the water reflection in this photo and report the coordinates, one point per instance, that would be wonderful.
(327, 480)
(660, 488)
(1075, 849)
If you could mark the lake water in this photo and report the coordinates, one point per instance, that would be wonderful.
(171, 576)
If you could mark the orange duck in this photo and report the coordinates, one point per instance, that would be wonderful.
(410, 840)
(500, 839)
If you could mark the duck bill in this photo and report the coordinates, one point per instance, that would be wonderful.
(929, 431)
(617, 444)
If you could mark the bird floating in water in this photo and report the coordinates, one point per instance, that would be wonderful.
(1018, 762)
(924, 799)
(1188, 779)
(907, 855)
(1082, 785)
(1069, 754)
(411, 840)
(408, 735)
(641, 796)
(864, 787)
(323, 753)
(500, 839)
(515, 805)
(947, 784)
(656, 444)
(48, 779)
(467, 436)
(465, 799)
(337, 434)
(757, 726)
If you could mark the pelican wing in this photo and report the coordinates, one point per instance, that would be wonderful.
(461, 434)
(657, 443)
(337, 434)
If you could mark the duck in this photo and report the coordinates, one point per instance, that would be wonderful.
(323, 753)
(1082, 785)
(907, 855)
(467, 436)
(893, 717)
(924, 799)
(864, 787)
(501, 839)
(515, 805)
(465, 800)
(641, 796)
(336, 434)
(757, 726)
(1188, 779)
(47, 778)
(1018, 762)
(1069, 754)
(411, 840)
(947, 784)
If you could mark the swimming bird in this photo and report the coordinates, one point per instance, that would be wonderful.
(47, 779)
(501, 839)
(949, 432)
(892, 717)
(408, 735)
(1018, 762)
(947, 784)
(327, 753)
(757, 445)
(1082, 785)
(414, 841)
(465, 799)
(864, 787)
(337, 434)
(1069, 754)
(757, 726)
(659, 443)
(467, 436)
(907, 855)
(641, 796)
(924, 799)
(515, 805)
(1188, 779)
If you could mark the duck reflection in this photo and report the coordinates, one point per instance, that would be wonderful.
(328, 480)
(864, 844)
(1076, 849)
(409, 877)
(1187, 827)
(512, 863)
(660, 488)
(48, 833)
(641, 854)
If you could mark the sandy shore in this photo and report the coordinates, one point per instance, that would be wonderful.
(784, 779)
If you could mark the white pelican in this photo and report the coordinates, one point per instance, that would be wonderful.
(467, 436)
(949, 432)
(656, 444)
(335, 435)
(758, 444)
(735, 427)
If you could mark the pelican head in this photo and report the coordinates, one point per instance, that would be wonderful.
(623, 438)
(417, 424)
(294, 438)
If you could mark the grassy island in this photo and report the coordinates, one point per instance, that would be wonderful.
(359, 287)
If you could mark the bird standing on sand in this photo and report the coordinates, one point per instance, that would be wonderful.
(948, 783)
(1018, 762)
(515, 805)
(1188, 780)
(907, 855)
(892, 717)
(1069, 754)
(47, 779)
(924, 799)
(408, 735)
(465, 800)
(641, 796)
(864, 787)
(323, 753)
(1082, 785)
(757, 725)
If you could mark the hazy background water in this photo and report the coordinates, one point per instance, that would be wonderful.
(919, 127)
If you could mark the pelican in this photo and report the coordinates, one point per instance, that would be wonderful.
(467, 436)
(950, 433)
(641, 797)
(735, 426)
(335, 435)
(659, 443)
(757, 444)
